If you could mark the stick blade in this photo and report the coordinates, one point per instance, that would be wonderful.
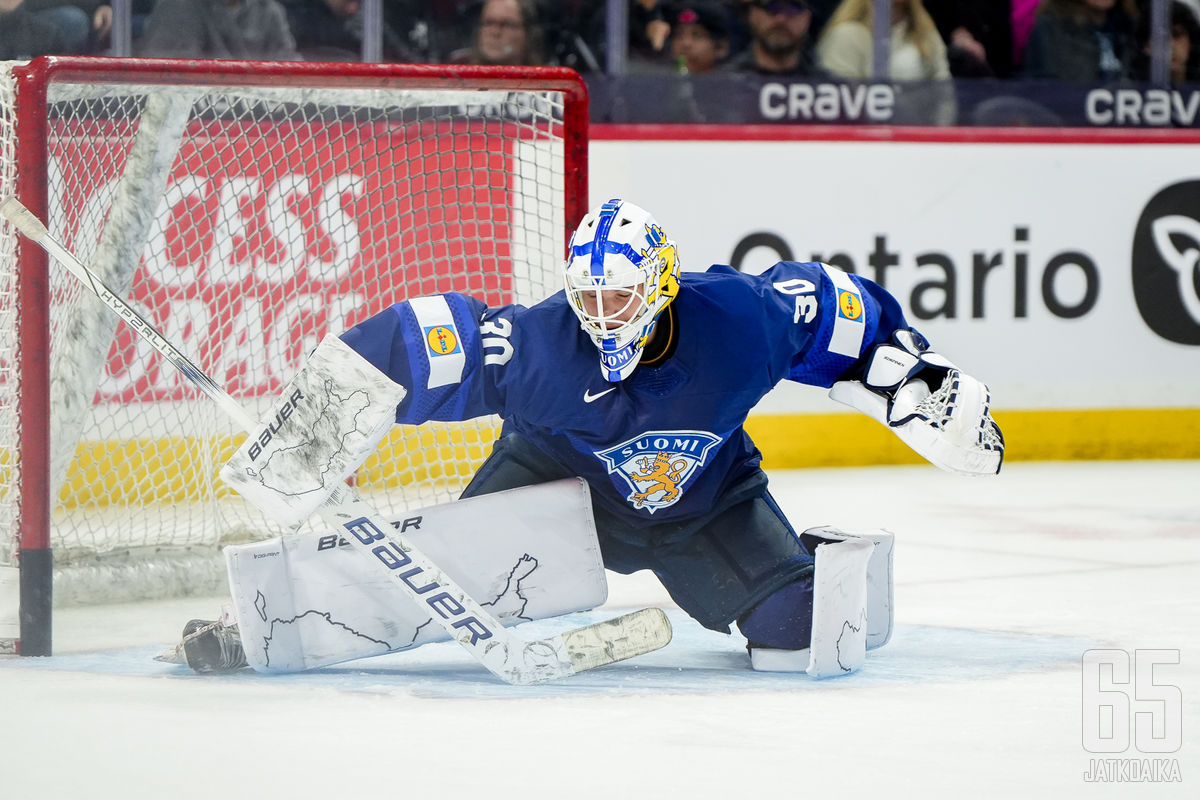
(617, 639)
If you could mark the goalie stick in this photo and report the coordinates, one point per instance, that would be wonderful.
(508, 656)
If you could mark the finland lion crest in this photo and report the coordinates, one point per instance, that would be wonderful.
(656, 466)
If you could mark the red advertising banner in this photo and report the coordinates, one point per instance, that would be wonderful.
(268, 236)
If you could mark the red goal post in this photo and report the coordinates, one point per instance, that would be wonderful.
(247, 209)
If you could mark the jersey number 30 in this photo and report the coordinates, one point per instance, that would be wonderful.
(497, 349)
(806, 304)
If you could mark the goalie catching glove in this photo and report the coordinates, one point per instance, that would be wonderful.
(329, 420)
(936, 409)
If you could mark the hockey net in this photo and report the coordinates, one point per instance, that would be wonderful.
(247, 210)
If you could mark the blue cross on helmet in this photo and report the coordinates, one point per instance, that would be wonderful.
(621, 272)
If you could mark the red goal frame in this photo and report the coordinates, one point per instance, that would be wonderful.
(33, 513)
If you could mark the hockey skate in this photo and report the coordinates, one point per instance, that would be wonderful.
(208, 646)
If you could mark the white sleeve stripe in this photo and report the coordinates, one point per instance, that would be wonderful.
(849, 324)
(443, 343)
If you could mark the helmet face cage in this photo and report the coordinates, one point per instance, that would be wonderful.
(605, 310)
(621, 274)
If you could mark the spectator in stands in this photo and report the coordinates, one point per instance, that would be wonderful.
(85, 25)
(779, 42)
(699, 38)
(649, 28)
(244, 29)
(674, 86)
(507, 33)
(822, 10)
(332, 30)
(978, 36)
(23, 35)
(1184, 64)
(1083, 41)
(917, 55)
(846, 48)
(1023, 14)
(575, 34)
(75, 21)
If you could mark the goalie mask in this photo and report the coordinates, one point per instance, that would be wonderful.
(621, 272)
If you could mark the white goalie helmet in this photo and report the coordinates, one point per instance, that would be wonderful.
(621, 272)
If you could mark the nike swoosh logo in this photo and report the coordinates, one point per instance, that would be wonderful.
(589, 397)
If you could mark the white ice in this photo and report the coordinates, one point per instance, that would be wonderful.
(1001, 585)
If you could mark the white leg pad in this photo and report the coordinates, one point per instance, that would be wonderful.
(839, 628)
(852, 585)
(839, 624)
(305, 601)
(879, 580)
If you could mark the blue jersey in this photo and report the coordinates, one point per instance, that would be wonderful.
(665, 442)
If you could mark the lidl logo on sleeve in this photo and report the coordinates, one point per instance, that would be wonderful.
(849, 305)
(444, 353)
(441, 340)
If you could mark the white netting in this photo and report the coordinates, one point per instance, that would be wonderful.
(8, 308)
(246, 223)
(9, 591)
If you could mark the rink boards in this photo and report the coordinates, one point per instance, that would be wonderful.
(1051, 263)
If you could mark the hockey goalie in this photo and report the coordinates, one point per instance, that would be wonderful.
(623, 397)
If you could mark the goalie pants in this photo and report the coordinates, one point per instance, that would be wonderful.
(716, 567)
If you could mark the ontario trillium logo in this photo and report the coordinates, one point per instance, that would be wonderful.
(1182, 262)
(1166, 263)
(656, 466)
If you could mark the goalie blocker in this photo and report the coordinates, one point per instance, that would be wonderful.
(331, 417)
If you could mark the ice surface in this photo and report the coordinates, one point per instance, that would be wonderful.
(1001, 585)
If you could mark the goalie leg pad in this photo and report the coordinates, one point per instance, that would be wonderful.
(330, 419)
(850, 602)
(309, 601)
(880, 587)
(839, 637)
(838, 644)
